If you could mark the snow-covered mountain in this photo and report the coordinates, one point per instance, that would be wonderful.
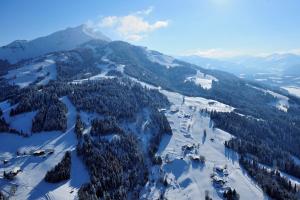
(154, 123)
(61, 40)
(249, 64)
(276, 69)
(277, 62)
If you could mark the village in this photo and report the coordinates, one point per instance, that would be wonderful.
(195, 162)
(13, 172)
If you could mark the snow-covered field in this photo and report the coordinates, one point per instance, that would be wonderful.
(282, 101)
(29, 183)
(189, 179)
(44, 70)
(161, 59)
(203, 80)
(105, 68)
(186, 178)
(293, 90)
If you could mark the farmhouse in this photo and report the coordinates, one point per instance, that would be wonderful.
(11, 174)
(39, 152)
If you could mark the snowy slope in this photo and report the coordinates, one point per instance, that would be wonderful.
(161, 59)
(188, 179)
(282, 101)
(105, 67)
(29, 183)
(40, 71)
(61, 40)
(293, 90)
(201, 79)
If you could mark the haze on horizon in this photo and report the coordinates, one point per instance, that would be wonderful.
(210, 28)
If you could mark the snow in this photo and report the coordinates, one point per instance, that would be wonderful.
(142, 128)
(105, 68)
(282, 101)
(210, 105)
(201, 79)
(22, 122)
(5, 107)
(29, 73)
(161, 59)
(189, 179)
(67, 39)
(29, 182)
(293, 90)
(294, 180)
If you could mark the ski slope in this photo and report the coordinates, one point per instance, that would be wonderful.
(202, 80)
(30, 182)
(188, 179)
(37, 71)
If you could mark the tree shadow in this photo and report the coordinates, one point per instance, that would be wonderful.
(176, 167)
(42, 188)
(231, 155)
(79, 173)
(164, 143)
(198, 164)
(203, 138)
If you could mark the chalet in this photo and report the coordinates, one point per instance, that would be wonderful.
(195, 158)
(187, 147)
(187, 116)
(11, 174)
(218, 181)
(39, 152)
(50, 151)
(220, 169)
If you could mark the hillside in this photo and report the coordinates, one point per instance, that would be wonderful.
(140, 125)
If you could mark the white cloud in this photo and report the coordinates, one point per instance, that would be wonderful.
(132, 27)
(146, 11)
(108, 21)
(135, 37)
(131, 24)
(292, 51)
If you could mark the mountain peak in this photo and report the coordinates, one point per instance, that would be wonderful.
(66, 39)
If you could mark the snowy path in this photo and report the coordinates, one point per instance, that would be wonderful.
(30, 183)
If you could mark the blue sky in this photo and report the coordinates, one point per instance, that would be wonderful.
(213, 28)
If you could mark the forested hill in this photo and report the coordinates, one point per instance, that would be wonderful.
(106, 79)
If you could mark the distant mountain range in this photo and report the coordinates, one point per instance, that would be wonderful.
(277, 69)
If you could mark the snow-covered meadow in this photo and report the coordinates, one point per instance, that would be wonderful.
(282, 102)
(29, 183)
(41, 71)
(202, 80)
(188, 178)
